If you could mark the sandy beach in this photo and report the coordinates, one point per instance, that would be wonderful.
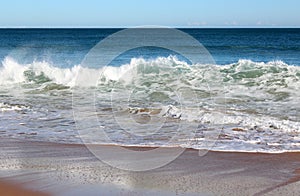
(66, 169)
(14, 189)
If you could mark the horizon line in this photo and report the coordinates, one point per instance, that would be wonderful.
(145, 26)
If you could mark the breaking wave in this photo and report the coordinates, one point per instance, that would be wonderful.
(244, 72)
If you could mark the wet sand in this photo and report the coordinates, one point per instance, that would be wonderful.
(64, 169)
(12, 189)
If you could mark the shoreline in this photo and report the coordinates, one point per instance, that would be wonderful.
(61, 169)
(150, 147)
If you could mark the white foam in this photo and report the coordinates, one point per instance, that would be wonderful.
(12, 72)
(4, 107)
(269, 88)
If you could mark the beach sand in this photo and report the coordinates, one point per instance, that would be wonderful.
(11, 189)
(67, 169)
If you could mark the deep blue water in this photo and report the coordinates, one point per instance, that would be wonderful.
(67, 47)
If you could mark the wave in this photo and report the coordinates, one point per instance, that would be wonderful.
(271, 87)
(254, 105)
(4, 106)
(244, 72)
(13, 72)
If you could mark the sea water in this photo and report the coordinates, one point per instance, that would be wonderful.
(248, 100)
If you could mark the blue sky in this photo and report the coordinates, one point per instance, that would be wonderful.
(125, 13)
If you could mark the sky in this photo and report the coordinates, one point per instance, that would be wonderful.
(131, 13)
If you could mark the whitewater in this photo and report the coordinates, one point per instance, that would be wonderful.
(242, 106)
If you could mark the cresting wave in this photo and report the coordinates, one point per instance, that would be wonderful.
(12, 72)
(243, 72)
(270, 88)
(254, 105)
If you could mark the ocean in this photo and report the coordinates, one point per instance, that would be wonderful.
(246, 99)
